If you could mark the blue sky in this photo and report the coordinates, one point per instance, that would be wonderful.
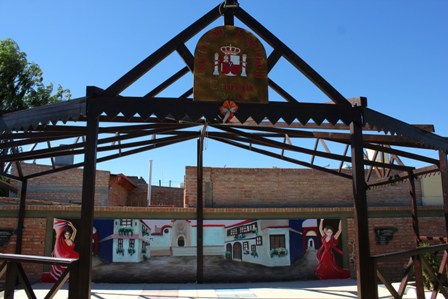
(394, 52)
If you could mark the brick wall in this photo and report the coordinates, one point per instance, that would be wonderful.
(117, 195)
(63, 186)
(402, 240)
(167, 196)
(66, 187)
(275, 187)
(138, 197)
(33, 242)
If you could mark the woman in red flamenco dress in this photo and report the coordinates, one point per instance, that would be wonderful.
(64, 245)
(327, 267)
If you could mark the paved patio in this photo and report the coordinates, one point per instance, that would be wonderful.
(268, 290)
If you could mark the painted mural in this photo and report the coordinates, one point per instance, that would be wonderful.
(146, 250)
(64, 245)
(328, 267)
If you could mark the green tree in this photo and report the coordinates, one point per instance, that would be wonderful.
(21, 87)
(21, 82)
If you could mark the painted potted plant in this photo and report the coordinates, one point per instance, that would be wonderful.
(280, 251)
(126, 231)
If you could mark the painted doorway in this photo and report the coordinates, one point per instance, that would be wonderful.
(181, 241)
(237, 251)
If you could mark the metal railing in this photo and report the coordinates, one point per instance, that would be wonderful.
(417, 262)
(12, 266)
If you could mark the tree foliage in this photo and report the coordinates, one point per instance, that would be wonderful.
(21, 82)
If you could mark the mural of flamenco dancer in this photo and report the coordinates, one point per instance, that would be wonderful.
(328, 267)
(64, 246)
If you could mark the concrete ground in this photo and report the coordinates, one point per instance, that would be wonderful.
(268, 290)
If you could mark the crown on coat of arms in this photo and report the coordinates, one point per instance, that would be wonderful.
(230, 50)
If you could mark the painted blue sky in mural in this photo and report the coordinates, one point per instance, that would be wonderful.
(392, 52)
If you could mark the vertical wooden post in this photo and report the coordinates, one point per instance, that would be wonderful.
(345, 244)
(365, 269)
(229, 12)
(416, 231)
(414, 212)
(73, 281)
(84, 274)
(200, 212)
(11, 279)
(21, 220)
(444, 177)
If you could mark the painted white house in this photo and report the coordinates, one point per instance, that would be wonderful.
(130, 240)
(270, 243)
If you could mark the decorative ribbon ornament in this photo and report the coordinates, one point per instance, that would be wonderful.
(228, 109)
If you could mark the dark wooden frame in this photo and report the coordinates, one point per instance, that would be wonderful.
(12, 267)
(173, 120)
(416, 262)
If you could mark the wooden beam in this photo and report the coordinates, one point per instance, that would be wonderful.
(168, 82)
(200, 209)
(283, 93)
(365, 268)
(78, 148)
(228, 7)
(444, 176)
(292, 57)
(11, 280)
(186, 56)
(32, 118)
(21, 217)
(37, 137)
(25, 282)
(388, 285)
(316, 144)
(355, 102)
(324, 144)
(371, 168)
(280, 157)
(416, 232)
(276, 144)
(152, 60)
(273, 58)
(323, 126)
(394, 126)
(344, 154)
(83, 289)
(410, 252)
(404, 176)
(152, 145)
(187, 93)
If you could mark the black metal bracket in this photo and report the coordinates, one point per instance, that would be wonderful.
(5, 235)
(383, 235)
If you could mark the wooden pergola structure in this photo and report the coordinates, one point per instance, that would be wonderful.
(106, 122)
